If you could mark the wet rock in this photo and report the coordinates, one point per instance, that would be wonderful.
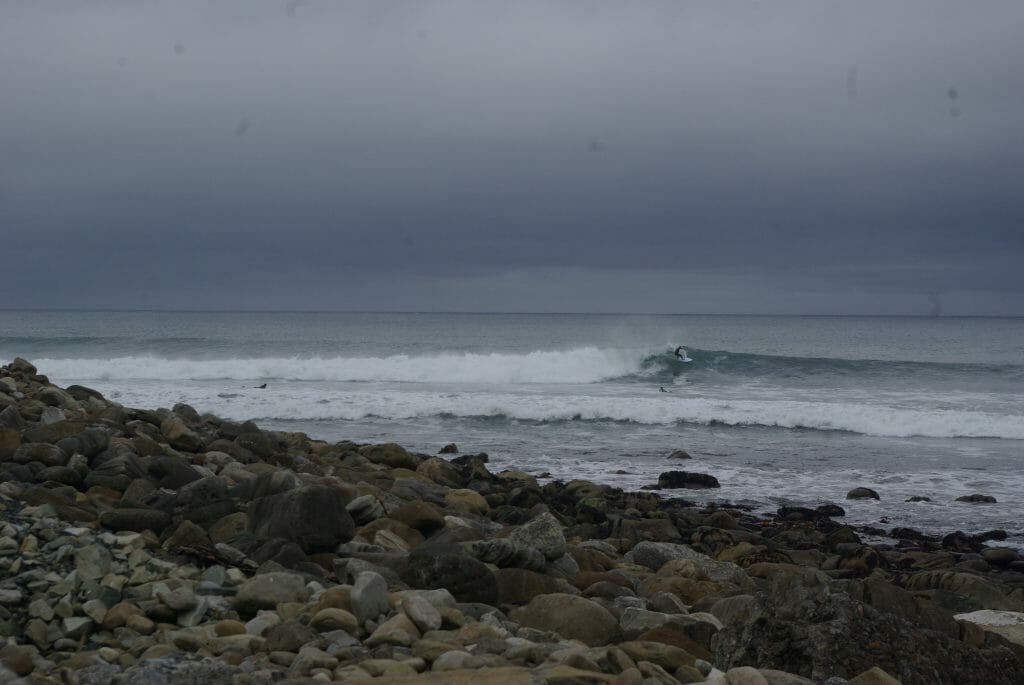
(862, 493)
(977, 499)
(686, 479)
(391, 455)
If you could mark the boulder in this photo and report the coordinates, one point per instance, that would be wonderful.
(1008, 624)
(88, 442)
(433, 566)
(203, 501)
(179, 435)
(507, 553)
(268, 590)
(423, 516)
(670, 480)
(313, 517)
(862, 493)
(785, 626)
(369, 597)
(466, 502)
(10, 441)
(44, 453)
(115, 467)
(519, 586)
(441, 472)
(136, 519)
(572, 617)
(391, 455)
(543, 533)
(977, 499)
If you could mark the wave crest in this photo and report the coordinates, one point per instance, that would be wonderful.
(582, 365)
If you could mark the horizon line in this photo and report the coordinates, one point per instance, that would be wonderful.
(495, 313)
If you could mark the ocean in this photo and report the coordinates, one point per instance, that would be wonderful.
(782, 410)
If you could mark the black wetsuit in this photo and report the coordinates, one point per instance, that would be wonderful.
(678, 356)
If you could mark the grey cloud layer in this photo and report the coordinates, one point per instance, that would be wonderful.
(436, 155)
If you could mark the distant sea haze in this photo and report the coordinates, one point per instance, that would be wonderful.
(780, 409)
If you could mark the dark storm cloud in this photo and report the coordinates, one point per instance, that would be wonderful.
(563, 155)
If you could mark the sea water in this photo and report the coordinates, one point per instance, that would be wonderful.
(782, 410)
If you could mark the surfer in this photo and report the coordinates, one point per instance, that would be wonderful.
(680, 353)
(260, 387)
(662, 388)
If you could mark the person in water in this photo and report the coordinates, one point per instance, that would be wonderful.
(680, 353)
(662, 388)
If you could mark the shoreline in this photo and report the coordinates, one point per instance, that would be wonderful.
(142, 543)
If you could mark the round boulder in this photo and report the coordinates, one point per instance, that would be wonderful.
(572, 617)
(268, 590)
(862, 493)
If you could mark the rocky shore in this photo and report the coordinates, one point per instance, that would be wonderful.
(165, 547)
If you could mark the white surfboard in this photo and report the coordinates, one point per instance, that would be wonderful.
(684, 359)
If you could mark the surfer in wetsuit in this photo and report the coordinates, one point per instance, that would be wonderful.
(680, 353)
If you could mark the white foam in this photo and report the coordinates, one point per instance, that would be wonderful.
(582, 365)
(547, 404)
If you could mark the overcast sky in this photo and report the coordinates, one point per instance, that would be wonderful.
(570, 155)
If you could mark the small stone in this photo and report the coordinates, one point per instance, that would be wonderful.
(226, 627)
(76, 626)
(422, 613)
(397, 630)
(330, 619)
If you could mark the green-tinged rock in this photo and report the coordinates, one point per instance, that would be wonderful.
(572, 617)
(390, 454)
(668, 657)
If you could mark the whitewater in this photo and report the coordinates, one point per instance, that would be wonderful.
(781, 409)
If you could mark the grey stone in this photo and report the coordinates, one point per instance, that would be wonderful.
(268, 590)
(543, 533)
(92, 562)
(369, 597)
(421, 612)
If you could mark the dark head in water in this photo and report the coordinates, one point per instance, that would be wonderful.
(260, 386)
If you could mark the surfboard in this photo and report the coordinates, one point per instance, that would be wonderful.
(684, 360)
